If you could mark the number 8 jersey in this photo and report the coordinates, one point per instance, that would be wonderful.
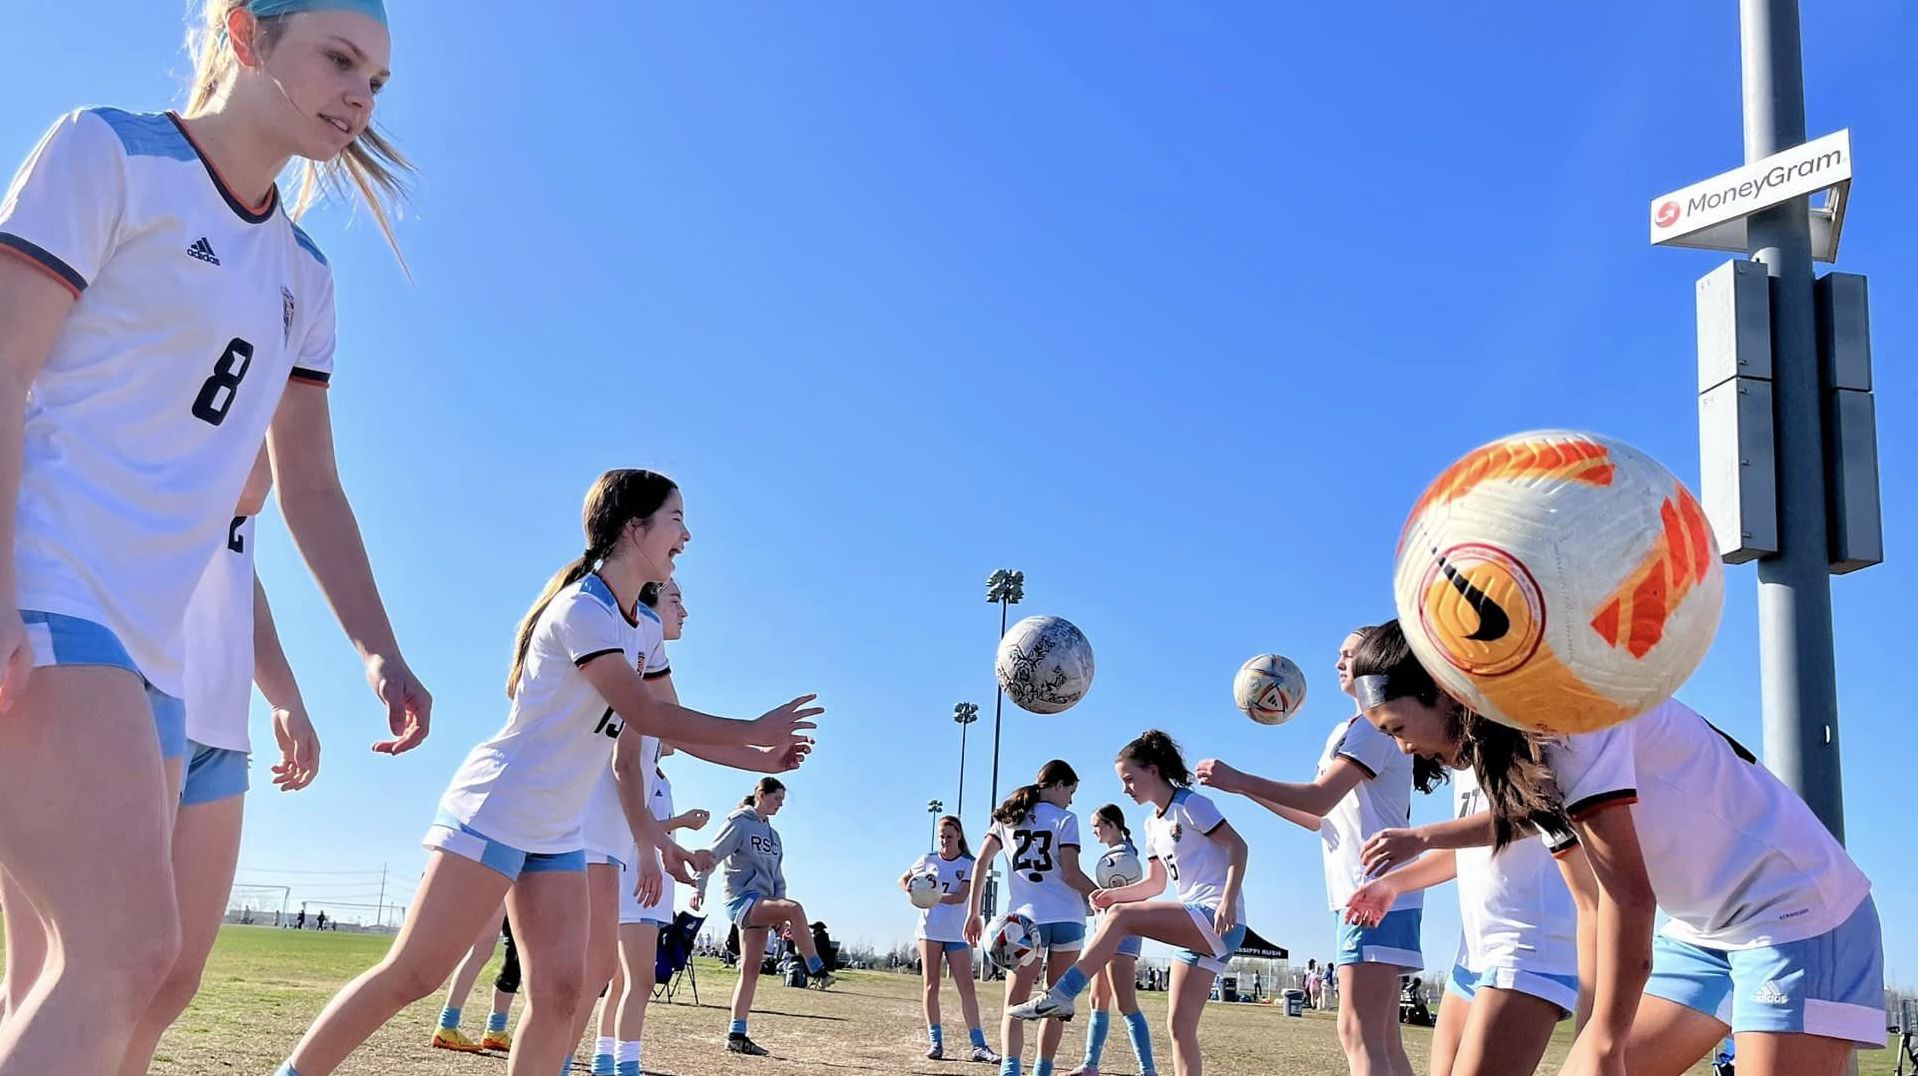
(1037, 846)
(192, 310)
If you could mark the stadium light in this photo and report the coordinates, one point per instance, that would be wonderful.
(964, 713)
(1004, 588)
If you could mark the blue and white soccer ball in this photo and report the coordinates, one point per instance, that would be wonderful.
(1012, 942)
(1045, 664)
(1116, 868)
(923, 890)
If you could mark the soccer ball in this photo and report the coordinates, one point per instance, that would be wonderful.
(1557, 581)
(1012, 942)
(1116, 868)
(923, 890)
(1269, 688)
(1045, 664)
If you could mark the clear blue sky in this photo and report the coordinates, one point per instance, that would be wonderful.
(1174, 308)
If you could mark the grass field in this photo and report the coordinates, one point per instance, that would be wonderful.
(263, 986)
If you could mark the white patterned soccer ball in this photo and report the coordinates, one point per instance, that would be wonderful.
(1269, 689)
(1558, 581)
(1116, 868)
(1012, 942)
(923, 890)
(1044, 664)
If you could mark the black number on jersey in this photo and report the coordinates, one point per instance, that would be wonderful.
(234, 539)
(216, 395)
(606, 725)
(1172, 868)
(1025, 858)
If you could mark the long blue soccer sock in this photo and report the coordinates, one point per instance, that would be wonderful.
(496, 1022)
(1096, 1029)
(286, 1069)
(739, 1027)
(1042, 1067)
(937, 1035)
(629, 1054)
(449, 1019)
(979, 1037)
(1070, 985)
(1008, 1066)
(1141, 1034)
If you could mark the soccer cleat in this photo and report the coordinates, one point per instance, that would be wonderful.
(935, 1053)
(1085, 1070)
(1045, 1007)
(498, 1040)
(737, 1043)
(984, 1053)
(449, 1038)
(824, 979)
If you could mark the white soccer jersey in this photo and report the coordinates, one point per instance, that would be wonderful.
(1382, 801)
(606, 830)
(1181, 838)
(219, 644)
(1735, 858)
(528, 785)
(1513, 906)
(944, 922)
(1037, 846)
(193, 310)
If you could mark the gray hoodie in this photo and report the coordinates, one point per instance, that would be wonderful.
(749, 854)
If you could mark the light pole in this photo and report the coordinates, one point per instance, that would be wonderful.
(965, 714)
(935, 808)
(1005, 588)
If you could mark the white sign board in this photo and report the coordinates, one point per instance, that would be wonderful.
(1711, 214)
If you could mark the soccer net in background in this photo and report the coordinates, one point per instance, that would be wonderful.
(258, 905)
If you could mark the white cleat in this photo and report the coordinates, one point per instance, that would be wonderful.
(1047, 1007)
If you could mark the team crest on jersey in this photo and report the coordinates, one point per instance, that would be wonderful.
(1176, 831)
(286, 314)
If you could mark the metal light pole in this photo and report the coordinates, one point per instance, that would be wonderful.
(1005, 588)
(935, 808)
(1798, 683)
(965, 714)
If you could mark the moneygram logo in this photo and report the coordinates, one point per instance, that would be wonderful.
(1667, 214)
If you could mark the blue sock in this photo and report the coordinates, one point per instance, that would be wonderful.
(602, 1065)
(814, 965)
(739, 1027)
(496, 1022)
(1141, 1033)
(1042, 1067)
(450, 1019)
(286, 1069)
(979, 1037)
(938, 1036)
(1096, 1029)
(1070, 985)
(627, 1068)
(1008, 1066)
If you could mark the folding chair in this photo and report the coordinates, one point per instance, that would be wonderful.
(674, 964)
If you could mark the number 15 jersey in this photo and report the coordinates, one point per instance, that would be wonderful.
(1037, 846)
(192, 309)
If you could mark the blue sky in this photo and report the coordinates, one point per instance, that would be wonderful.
(1175, 309)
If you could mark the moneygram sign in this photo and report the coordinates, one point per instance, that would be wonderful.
(1711, 214)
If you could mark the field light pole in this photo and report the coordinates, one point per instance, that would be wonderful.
(935, 808)
(1005, 588)
(965, 714)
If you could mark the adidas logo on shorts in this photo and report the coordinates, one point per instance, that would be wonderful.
(1770, 994)
(203, 250)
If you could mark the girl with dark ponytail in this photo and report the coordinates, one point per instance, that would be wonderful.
(513, 818)
(1119, 981)
(1517, 971)
(1190, 842)
(1040, 837)
(1363, 785)
(1770, 924)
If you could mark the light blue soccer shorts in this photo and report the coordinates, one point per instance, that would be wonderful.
(1068, 937)
(1831, 985)
(1560, 990)
(59, 639)
(212, 774)
(449, 834)
(1394, 941)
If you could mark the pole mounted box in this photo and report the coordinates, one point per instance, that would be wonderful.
(1738, 470)
(1855, 526)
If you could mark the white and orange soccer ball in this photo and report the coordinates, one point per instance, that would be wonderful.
(1559, 581)
(1269, 689)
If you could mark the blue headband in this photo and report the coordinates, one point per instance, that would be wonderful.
(263, 9)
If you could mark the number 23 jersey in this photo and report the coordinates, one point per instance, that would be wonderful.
(1037, 846)
(192, 309)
